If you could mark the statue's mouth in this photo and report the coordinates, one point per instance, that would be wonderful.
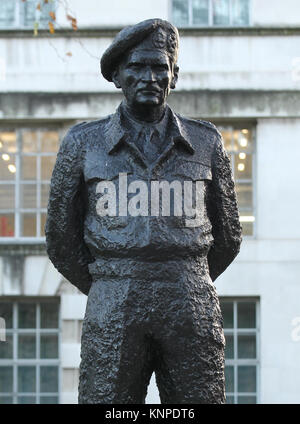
(149, 91)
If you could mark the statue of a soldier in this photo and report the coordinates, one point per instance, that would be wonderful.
(120, 228)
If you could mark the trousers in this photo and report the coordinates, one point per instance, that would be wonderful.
(136, 326)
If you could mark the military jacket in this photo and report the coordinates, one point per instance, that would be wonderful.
(100, 151)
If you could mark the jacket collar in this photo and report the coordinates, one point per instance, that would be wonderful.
(116, 132)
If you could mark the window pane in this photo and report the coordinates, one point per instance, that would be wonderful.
(26, 346)
(7, 225)
(48, 163)
(49, 315)
(243, 167)
(28, 196)
(6, 379)
(28, 168)
(200, 12)
(28, 225)
(7, 167)
(49, 399)
(229, 400)
(8, 142)
(32, 15)
(29, 144)
(49, 141)
(26, 379)
(227, 311)
(246, 378)
(246, 315)
(246, 399)
(242, 140)
(7, 196)
(220, 12)
(44, 195)
(6, 312)
(244, 194)
(181, 12)
(247, 347)
(5, 400)
(27, 315)
(6, 347)
(240, 12)
(43, 223)
(229, 352)
(7, 13)
(26, 400)
(229, 378)
(49, 379)
(227, 138)
(49, 346)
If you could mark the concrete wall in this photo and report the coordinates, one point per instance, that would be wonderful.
(206, 63)
(275, 12)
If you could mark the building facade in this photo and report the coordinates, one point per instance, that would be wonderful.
(239, 68)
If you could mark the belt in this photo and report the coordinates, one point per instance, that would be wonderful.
(169, 270)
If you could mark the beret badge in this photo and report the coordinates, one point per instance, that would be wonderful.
(159, 39)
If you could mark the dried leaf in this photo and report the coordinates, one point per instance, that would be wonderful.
(52, 15)
(51, 28)
(35, 28)
(73, 22)
(69, 54)
(45, 1)
(38, 7)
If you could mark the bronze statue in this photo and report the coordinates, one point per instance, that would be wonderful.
(147, 263)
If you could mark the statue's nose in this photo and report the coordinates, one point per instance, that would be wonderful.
(148, 75)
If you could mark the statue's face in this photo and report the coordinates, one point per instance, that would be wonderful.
(146, 77)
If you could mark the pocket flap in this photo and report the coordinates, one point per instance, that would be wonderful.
(192, 170)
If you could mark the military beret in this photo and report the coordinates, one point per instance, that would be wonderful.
(152, 33)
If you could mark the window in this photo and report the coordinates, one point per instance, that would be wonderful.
(241, 329)
(210, 12)
(29, 364)
(19, 14)
(240, 147)
(27, 157)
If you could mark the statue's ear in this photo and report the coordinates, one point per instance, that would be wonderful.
(115, 78)
(175, 76)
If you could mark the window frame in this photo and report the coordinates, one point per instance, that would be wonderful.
(235, 331)
(15, 362)
(19, 18)
(17, 182)
(210, 23)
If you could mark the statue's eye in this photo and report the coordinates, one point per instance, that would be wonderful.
(161, 68)
(135, 66)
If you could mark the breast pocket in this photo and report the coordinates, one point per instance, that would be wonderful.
(192, 171)
(194, 177)
(104, 183)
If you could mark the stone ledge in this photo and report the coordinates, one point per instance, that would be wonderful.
(108, 32)
(22, 249)
(227, 104)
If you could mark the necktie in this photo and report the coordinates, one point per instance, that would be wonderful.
(150, 143)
